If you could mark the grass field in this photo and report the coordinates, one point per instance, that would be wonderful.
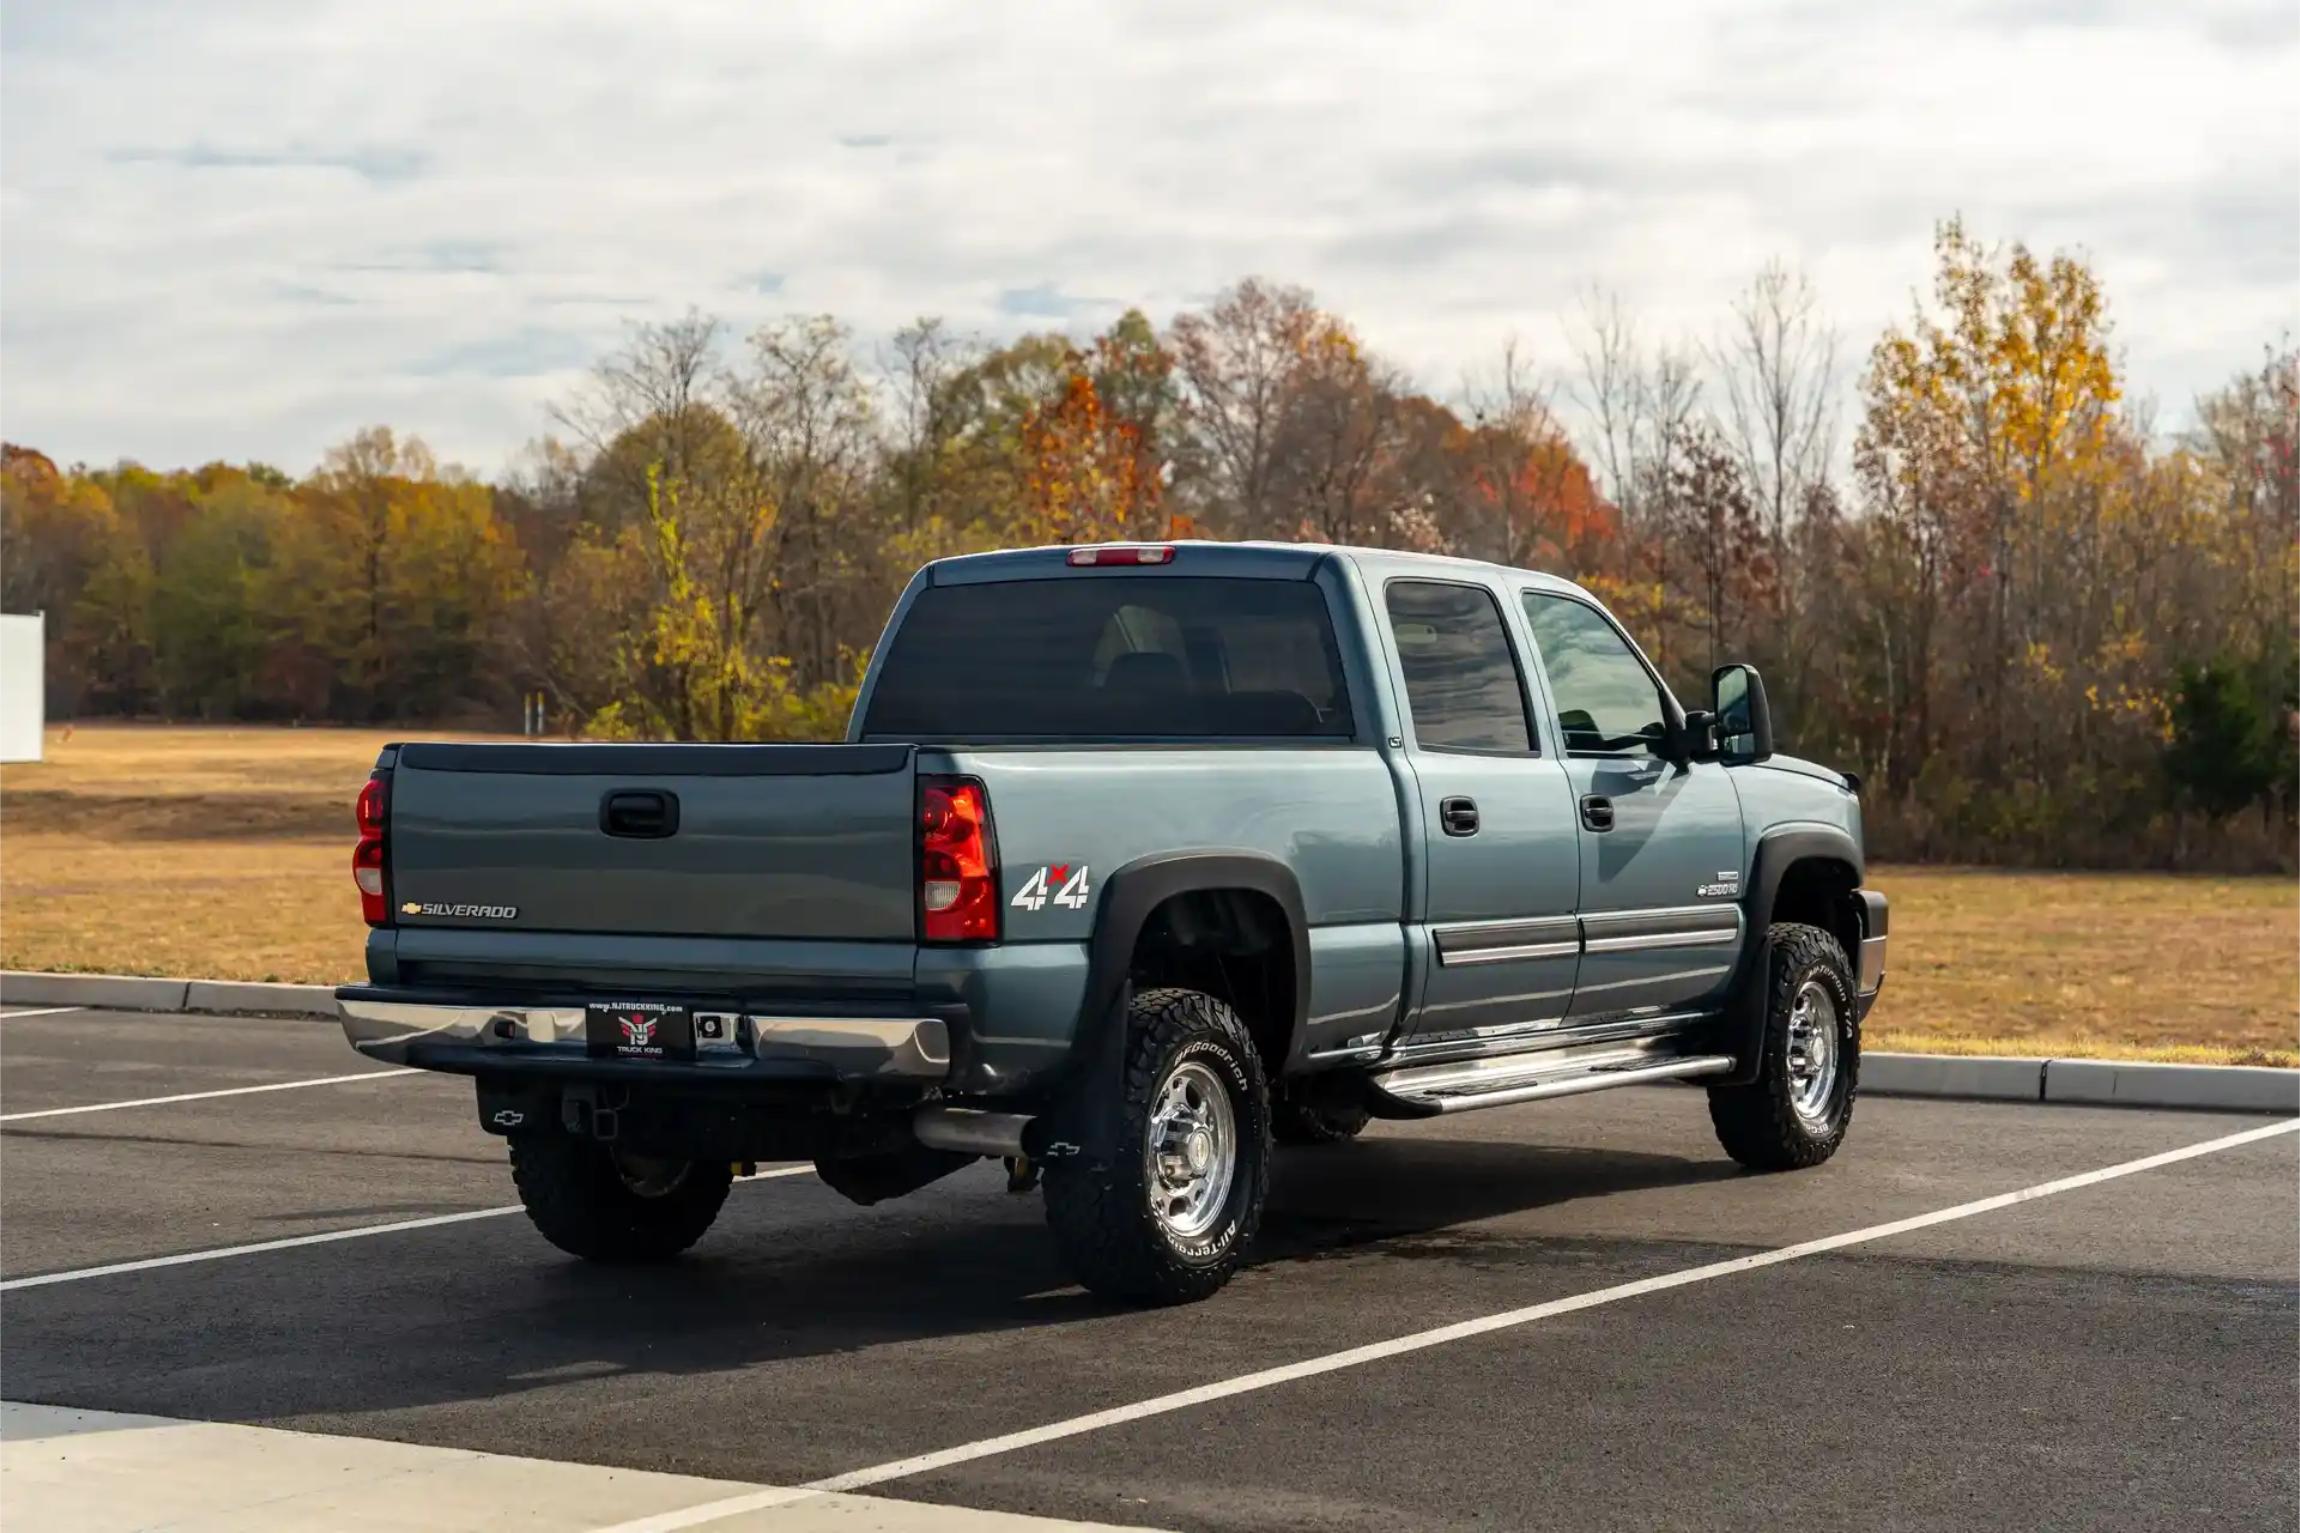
(226, 852)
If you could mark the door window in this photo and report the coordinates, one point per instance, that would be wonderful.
(1607, 701)
(1461, 679)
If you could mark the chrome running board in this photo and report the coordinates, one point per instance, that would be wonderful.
(1423, 1091)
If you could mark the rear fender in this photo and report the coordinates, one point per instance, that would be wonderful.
(1085, 1118)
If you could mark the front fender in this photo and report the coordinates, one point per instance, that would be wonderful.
(1743, 1032)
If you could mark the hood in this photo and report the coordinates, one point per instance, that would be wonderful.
(1804, 768)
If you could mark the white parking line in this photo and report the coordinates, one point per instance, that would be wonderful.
(186, 1258)
(44, 1011)
(924, 1463)
(202, 1096)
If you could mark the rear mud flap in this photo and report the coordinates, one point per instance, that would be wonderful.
(1086, 1123)
(516, 1109)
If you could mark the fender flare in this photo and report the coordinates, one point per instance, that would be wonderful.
(1086, 1114)
(1777, 851)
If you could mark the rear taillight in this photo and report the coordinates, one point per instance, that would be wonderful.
(957, 862)
(367, 857)
(1124, 553)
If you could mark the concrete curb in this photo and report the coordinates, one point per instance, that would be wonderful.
(2242, 1088)
(1985, 1077)
(2095, 1082)
(135, 992)
(258, 999)
(121, 992)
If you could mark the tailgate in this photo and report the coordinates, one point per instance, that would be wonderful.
(709, 840)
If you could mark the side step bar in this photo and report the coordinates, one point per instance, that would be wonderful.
(1424, 1091)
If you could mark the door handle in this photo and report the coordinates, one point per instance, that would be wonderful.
(1597, 812)
(646, 814)
(1458, 816)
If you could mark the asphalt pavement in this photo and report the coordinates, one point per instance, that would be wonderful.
(2120, 1353)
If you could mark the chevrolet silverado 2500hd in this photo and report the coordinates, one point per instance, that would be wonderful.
(1135, 859)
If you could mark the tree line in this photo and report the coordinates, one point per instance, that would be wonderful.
(2042, 629)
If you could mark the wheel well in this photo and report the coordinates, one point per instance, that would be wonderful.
(1819, 892)
(1233, 944)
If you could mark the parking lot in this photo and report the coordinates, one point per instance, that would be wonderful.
(1545, 1316)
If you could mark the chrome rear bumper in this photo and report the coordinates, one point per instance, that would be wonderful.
(469, 1039)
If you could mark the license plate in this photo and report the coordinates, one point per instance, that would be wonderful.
(638, 1030)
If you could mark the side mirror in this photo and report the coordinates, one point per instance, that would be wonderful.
(1697, 736)
(1744, 720)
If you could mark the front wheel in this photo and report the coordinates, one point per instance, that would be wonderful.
(1168, 1219)
(604, 1204)
(1796, 1112)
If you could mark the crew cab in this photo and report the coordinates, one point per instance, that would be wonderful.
(1135, 859)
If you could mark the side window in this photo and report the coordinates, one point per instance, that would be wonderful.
(1606, 699)
(1461, 680)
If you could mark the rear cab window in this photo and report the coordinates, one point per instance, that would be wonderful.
(1113, 657)
(1462, 682)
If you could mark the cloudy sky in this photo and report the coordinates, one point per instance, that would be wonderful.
(244, 229)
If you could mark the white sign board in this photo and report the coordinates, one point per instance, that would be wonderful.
(23, 686)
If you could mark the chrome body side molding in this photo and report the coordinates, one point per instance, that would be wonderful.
(1468, 943)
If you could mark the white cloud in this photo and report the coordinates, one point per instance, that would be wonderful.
(244, 232)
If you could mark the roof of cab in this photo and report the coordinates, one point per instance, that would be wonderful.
(1248, 559)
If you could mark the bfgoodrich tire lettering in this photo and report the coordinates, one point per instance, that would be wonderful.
(590, 1204)
(1105, 1216)
(1786, 1118)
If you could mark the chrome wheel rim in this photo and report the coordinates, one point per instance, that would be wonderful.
(1814, 1048)
(650, 1176)
(1192, 1151)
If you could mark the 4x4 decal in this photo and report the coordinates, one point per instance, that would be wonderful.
(1068, 883)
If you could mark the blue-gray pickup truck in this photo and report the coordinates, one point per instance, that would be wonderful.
(1136, 859)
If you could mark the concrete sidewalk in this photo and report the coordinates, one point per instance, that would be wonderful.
(79, 1471)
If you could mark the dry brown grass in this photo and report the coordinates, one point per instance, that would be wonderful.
(205, 851)
(2133, 965)
(226, 852)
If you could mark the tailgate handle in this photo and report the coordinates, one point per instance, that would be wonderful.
(642, 813)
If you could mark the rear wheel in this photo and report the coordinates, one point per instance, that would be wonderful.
(1168, 1219)
(1797, 1111)
(605, 1204)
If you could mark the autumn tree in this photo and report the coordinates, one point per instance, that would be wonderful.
(1244, 363)
(1093, 475)
(1531, 499)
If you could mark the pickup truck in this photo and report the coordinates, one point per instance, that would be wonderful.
(1135, 859)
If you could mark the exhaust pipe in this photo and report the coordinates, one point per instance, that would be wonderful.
(969, 1130)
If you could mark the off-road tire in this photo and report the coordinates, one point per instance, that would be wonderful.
(1294, 1121)
(1759, 1124)
(575, 1194)
(1101, 1214)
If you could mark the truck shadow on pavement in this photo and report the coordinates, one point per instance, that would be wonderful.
(793, 1282)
